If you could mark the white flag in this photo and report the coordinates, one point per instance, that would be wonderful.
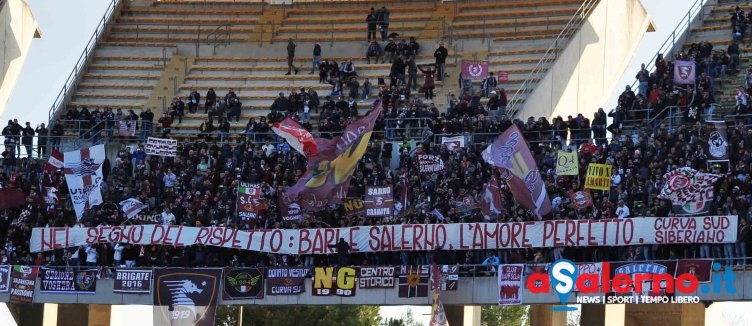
(83, 174)
(454, 143)
(131, 207)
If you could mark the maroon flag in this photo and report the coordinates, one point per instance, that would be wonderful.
(55, 162)
(328, 174)
(581, 198)
(517, 166)
(288, 211)
(490, 200)
(474, 70)
(11, 197)
(700, 268)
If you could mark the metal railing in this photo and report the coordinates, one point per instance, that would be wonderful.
(680, 32)
(548, 57)
(70, 84)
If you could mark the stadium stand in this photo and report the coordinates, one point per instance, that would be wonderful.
(208, 166)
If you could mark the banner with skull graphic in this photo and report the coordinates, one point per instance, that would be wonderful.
(717, 141)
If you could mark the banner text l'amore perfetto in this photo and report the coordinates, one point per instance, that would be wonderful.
(461, 236)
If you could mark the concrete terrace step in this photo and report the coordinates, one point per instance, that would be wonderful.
(395, 12)
(158, 39)
(162, 10)
(132, 44)
(342, 27)
(507, 31)
(171, 30)
(104, 66)
(121, 76)
(102, 95)
(417, 16)
(464, 16)
(514, 4)
(494, 23)
(183, 21)
(115, 86)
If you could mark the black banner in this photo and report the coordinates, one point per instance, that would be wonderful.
(334, 281)
(132, 281)
(67, 280)
(186, 296)
(4, 278)
(243, 283)
(377, 277)
(413, 281)
(286, 281)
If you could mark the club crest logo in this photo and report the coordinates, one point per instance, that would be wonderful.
(190, 296)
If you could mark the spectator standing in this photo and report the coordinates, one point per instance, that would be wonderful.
(371, 21)
(57, 134)
(42, 135)
(166, 122)
(28, 138)
(733, 52)
(412, 73)
(291, 56)
(383, 19)
(147, 121)
(91, 256)
(343, 252)
(428, 83)
(316, 56)
(643, 77)
(440, 54)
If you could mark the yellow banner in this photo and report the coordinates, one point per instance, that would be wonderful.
(598, 176)
(567, 163)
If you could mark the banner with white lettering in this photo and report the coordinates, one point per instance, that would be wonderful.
(23, 280)
(428, 164)
(510, 284)
(127, 128)
(417, 237)
(249, 200)
(4, 278)
(161, 147)
(377, 277)
(379, 201)
(132, 281)
(286, 281)
(67, 280)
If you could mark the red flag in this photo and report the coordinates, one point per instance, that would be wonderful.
(581, 198)
(490, 200)
(55, 162)
(11, 197)
(300, 139)
(328, 174)
(517, 166)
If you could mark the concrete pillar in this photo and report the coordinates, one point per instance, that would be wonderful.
(669, 314)
(72, 315)
(541, 315)
(99, 315)
(602, 315)
(27, 314)
(472, 316)
(455, 314)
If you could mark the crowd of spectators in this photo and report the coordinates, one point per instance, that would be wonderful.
(197, 187)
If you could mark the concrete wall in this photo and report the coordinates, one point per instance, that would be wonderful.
(17, 27)
(472, 291)
(584, 75)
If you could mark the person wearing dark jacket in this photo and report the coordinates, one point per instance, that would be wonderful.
(343, 252)
(147, 120)
(42, 134)
(371, 21)
(618, 117)
(281, 104)
(57, 134)
(211, 98)
(316, 56)
(28, 138)
(291, 56)
(440, 54)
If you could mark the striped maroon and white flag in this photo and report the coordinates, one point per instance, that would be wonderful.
(55, 161)
(127, 128)
(131, 207)
(83, 174)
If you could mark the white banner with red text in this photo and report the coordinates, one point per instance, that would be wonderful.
(461, 236)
